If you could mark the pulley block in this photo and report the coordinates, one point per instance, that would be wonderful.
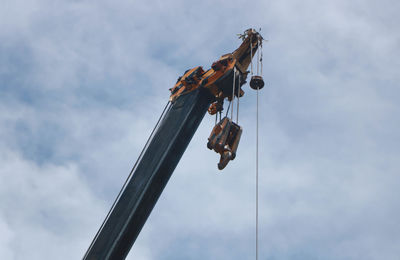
(256, 82)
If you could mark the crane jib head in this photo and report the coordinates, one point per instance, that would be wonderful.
(224, 80)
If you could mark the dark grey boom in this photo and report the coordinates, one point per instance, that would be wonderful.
(141, 192)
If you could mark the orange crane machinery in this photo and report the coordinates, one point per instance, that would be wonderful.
(195, 92)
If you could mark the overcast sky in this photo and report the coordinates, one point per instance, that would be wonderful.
(82, 84)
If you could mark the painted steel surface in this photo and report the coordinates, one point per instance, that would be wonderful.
(151, 175)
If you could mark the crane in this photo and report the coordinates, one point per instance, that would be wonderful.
(195, 92)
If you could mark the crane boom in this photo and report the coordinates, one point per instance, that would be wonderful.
(152, 173)
(190, 98)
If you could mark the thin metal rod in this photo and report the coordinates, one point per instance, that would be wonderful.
(251, 55)
(238, 98)
(227, 110)
(257, 179)
(258, 56)
(233, 90)
(261, 59)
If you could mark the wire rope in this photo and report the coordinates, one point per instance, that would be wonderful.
(227, 110)
(257, 178)
(258, 56)
(233, 90)
(251, 55)
(238, 98)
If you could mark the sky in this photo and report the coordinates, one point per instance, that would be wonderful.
(82, 83)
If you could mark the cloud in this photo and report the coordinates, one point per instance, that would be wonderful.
(44, 209)
(82, 83)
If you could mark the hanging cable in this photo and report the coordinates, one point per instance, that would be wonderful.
(238, 98)
(257, 178)
(233, 90)
(261, 59)
(258, 86)
(251, 55)
(258, 56)
(227, 110)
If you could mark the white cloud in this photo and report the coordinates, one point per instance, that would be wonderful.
(47, 210)
(83, 82)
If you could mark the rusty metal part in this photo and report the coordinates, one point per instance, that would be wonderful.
(229, 71)
(235, 142)
(224, 139)
(217, 78)
(225, 158)
(216, 107)
(219, 134)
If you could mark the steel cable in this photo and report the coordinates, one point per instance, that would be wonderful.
(257, 179)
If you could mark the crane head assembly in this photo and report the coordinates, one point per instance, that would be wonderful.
(224, 80)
